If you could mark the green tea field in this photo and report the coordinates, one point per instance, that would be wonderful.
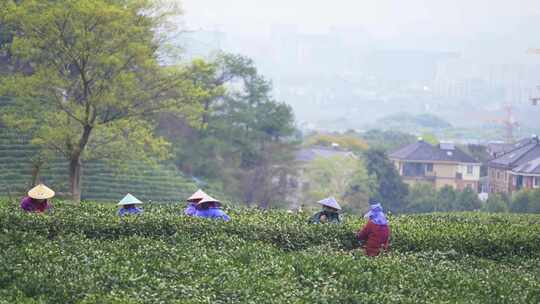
(86, 254)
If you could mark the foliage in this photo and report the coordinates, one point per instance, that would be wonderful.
(94, 82)
(413, 123)
(430, 138)
(467, 200)
(390, 190)
(346, 141)
(526, 201)
(244, 138)
(422, 198)
(102, 182)
(346, 178)
(446, 197)
(496, 203)
(387, 140)
(86, 254)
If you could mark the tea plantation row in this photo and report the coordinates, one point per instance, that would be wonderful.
(85, 254)
(100, 182)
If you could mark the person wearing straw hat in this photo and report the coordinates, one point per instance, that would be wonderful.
(329, 214)
(38, 199)
(375, 235)
(209, 207)
(128, 206)
(192, 202)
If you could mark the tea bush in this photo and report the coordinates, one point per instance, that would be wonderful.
(86, 254)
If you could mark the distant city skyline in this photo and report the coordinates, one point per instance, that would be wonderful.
(453, 58)
(381, 18)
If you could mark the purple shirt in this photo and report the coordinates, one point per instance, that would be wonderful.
(190, 209)
(128, 211)
(29, 204)
(213, 213)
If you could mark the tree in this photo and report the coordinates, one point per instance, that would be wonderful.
(496, 203)
(95, 84)
(467, 200)
(534, 203)
(446, 198)
(345, 178)
(422, 198)
(520, 202)
(259, 130)
(430, 138)
(526, 201)
(391, 189)
(388, 140)
(244, 139)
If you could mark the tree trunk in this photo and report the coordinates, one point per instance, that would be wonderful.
(75, 173)
(204, 120)
(36, 168)
(75, 165)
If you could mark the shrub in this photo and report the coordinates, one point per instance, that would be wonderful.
(496, 203)
(520, 202)
(86, 254)
(421, 198)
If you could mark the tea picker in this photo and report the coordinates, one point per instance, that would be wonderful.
(375, 235)
(329, 214)
(128, 206)
(38, 199)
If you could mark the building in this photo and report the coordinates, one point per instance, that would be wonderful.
(516, 168)
(526, 176)
(441, 165)
(498, 149)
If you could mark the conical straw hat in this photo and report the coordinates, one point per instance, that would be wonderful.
(330, 202)
(41, 192)
(129, 200)
(208, 199)
(197, 196)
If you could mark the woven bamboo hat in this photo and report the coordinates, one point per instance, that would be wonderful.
(41, 192)
(129, 200)
(197, 196)
(208, 199)
(330, 202)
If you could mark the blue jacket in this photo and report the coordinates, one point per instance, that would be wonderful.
(213, 213)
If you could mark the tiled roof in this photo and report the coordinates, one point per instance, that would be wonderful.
(422, 151)
(498, 148)
(531, 167)
(522, 154)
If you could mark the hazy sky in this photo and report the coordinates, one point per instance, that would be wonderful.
(383, 18)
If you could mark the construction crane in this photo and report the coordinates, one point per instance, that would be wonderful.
(534, 100)
(509, 122)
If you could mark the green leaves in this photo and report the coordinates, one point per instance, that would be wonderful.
(86, 254)
(94, 67)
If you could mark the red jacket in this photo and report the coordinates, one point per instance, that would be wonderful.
(376, 237)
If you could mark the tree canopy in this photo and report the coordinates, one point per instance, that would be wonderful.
(244, 139)
(391, 190)
(95, 83)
